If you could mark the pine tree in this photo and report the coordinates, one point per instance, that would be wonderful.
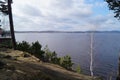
(115, 6)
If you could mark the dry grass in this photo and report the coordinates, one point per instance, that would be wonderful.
(21, 67)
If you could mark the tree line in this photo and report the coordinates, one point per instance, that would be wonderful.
(45, 55)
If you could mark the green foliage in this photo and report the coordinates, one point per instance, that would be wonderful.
(78, 69)
(3, 7)
(34, 49)
(66, 62)
(115, 6)
(45, 55)
(48, 54)
(23, 46)
(55, 59)
(51, 56)
(6, 44)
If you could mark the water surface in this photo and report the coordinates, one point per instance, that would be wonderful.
(77, 45)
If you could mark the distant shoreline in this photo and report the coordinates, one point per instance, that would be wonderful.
(67, 31)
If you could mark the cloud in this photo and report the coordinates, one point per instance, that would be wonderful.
(64, 15)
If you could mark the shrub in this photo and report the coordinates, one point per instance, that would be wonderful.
(6, 44)
(55, 59)
(50, 56)
(23, 46)
(78, 69)
(46, 54)
(36, 50)
(66, 62)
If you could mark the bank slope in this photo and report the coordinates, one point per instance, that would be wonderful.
(18, 65)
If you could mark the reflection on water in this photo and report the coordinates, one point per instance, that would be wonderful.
(106, 49)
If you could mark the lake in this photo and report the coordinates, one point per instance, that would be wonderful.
(106, 49)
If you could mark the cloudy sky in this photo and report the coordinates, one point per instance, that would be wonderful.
(63, 15)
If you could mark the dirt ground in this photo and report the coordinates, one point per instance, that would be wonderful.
(18, 65)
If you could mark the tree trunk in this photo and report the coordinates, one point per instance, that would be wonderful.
(11, 24)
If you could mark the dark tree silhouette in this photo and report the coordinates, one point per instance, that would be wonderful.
(115, 6)
(5, 8)
(11, 23)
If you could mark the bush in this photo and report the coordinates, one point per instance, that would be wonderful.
(45, 55)
(66, 62)
(23, 46)
(78, 69)
(6, 44)
(50, 56)
(55, 59)
(36, 50)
